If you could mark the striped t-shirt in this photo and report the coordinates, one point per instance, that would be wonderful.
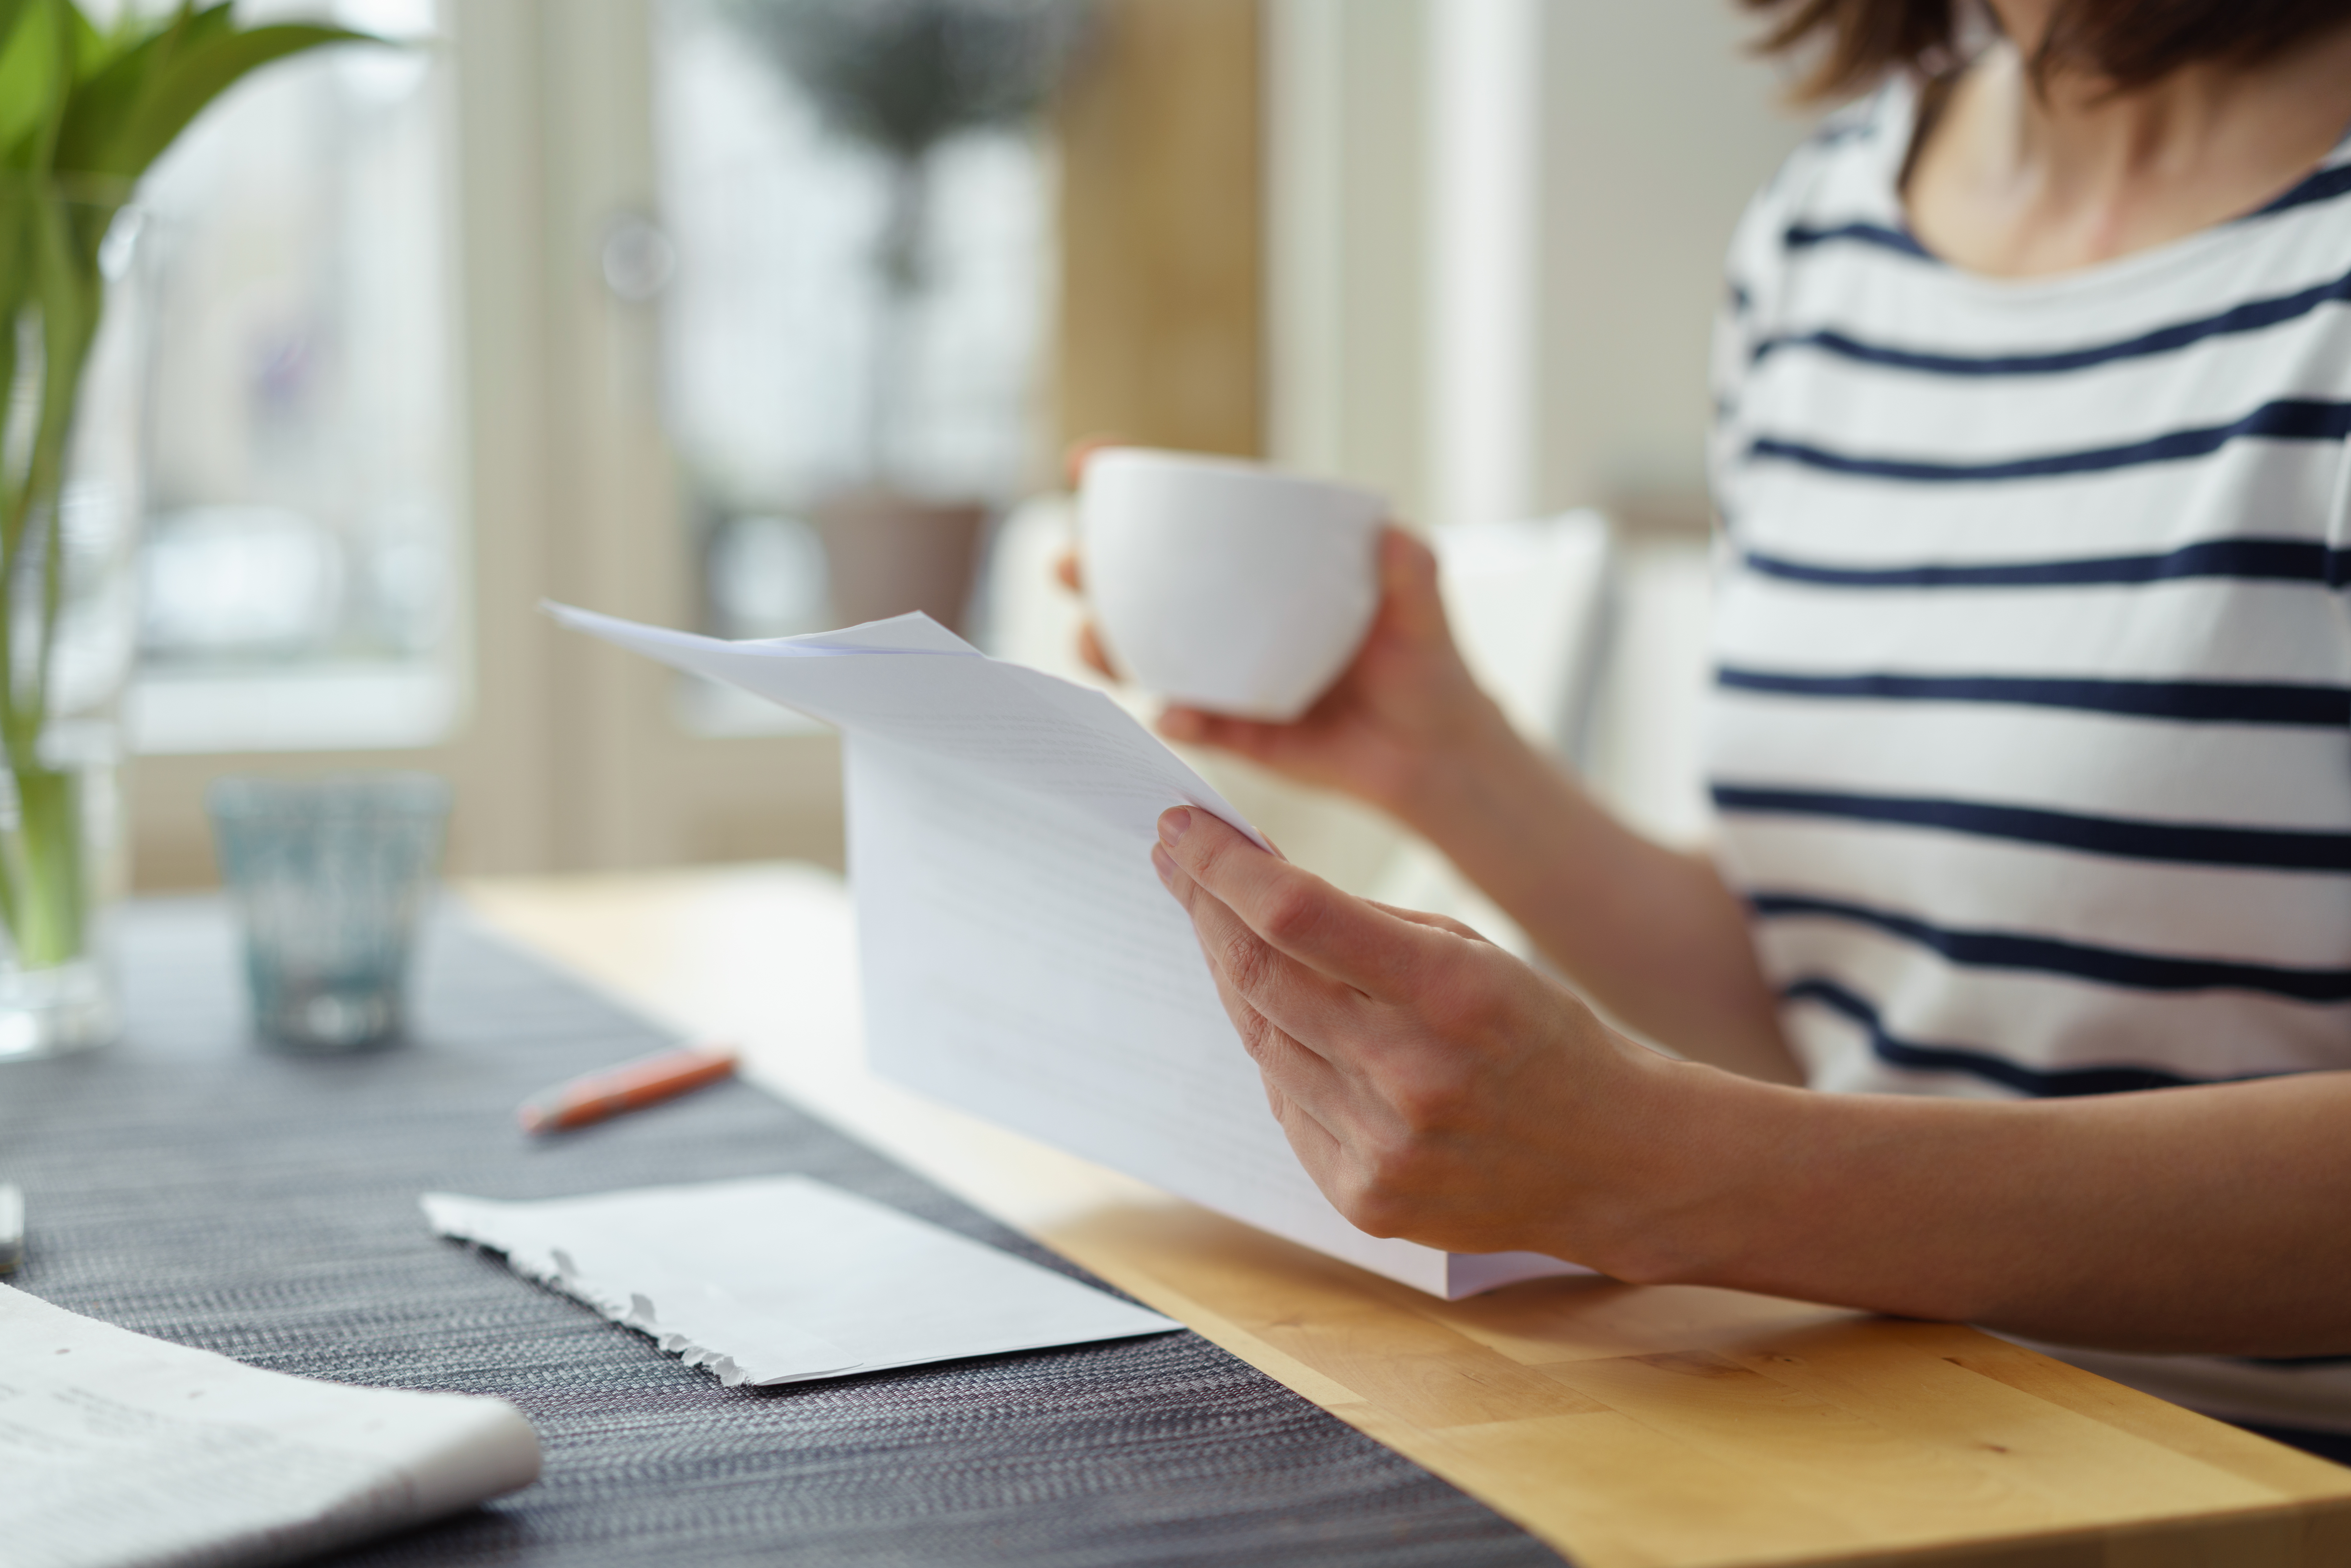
(2031, 738)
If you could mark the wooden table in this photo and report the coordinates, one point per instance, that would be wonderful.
(1628, 1426)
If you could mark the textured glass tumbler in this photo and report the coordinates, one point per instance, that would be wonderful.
(326, 877)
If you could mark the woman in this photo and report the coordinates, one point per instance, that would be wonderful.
(2029, 748)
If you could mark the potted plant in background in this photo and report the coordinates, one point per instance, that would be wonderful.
(84, 111)
(902, 77)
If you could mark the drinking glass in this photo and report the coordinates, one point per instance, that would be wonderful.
(326, 876)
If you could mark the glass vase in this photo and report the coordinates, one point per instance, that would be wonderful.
(73, 358)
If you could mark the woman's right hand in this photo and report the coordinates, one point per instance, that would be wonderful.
(1405, 710)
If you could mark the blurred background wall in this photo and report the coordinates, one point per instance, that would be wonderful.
(589, 300)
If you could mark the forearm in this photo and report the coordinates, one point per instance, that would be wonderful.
(1651, 934)
(2206, 1220)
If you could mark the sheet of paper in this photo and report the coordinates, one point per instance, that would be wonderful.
(912, 681)
(117, 1448)
(783, 1279)
(1020, 959)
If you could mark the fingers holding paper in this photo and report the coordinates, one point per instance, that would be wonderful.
(1435, 1087)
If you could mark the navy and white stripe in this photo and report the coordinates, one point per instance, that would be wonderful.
(2258, 560)
(2031, 740)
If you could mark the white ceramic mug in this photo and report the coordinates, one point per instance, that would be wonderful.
(1226, 585)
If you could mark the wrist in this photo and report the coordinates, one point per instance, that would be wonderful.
(1700, 1181)
(1460, 777)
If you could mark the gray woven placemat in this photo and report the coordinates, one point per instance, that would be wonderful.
(187, 1184)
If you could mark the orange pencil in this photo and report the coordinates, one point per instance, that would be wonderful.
(644, 1081)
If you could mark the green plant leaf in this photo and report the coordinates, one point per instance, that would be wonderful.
(31, 89)
(12, 14)
(16, 286)
(90, 47)
(210, 21)
(184, 74)
(102, 106)
(25, 85)
(195, 25)
(104, 103)
(64, 16)
(16, 197)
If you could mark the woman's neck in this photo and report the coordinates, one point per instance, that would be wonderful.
(2018, 179)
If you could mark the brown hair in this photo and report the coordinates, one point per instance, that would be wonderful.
(2129, 43)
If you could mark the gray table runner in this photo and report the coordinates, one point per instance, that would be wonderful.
(187, 1184)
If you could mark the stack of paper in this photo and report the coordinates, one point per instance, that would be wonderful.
(116, 1448)
(1022, 960)
(782, 1280)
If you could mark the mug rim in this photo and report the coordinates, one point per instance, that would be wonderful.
(1226, 463)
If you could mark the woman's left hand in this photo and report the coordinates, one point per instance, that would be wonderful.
(1434, 1086)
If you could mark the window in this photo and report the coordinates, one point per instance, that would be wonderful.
(778, 332)
(300, 579)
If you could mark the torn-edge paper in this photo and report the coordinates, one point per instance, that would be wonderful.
(785, 1279)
